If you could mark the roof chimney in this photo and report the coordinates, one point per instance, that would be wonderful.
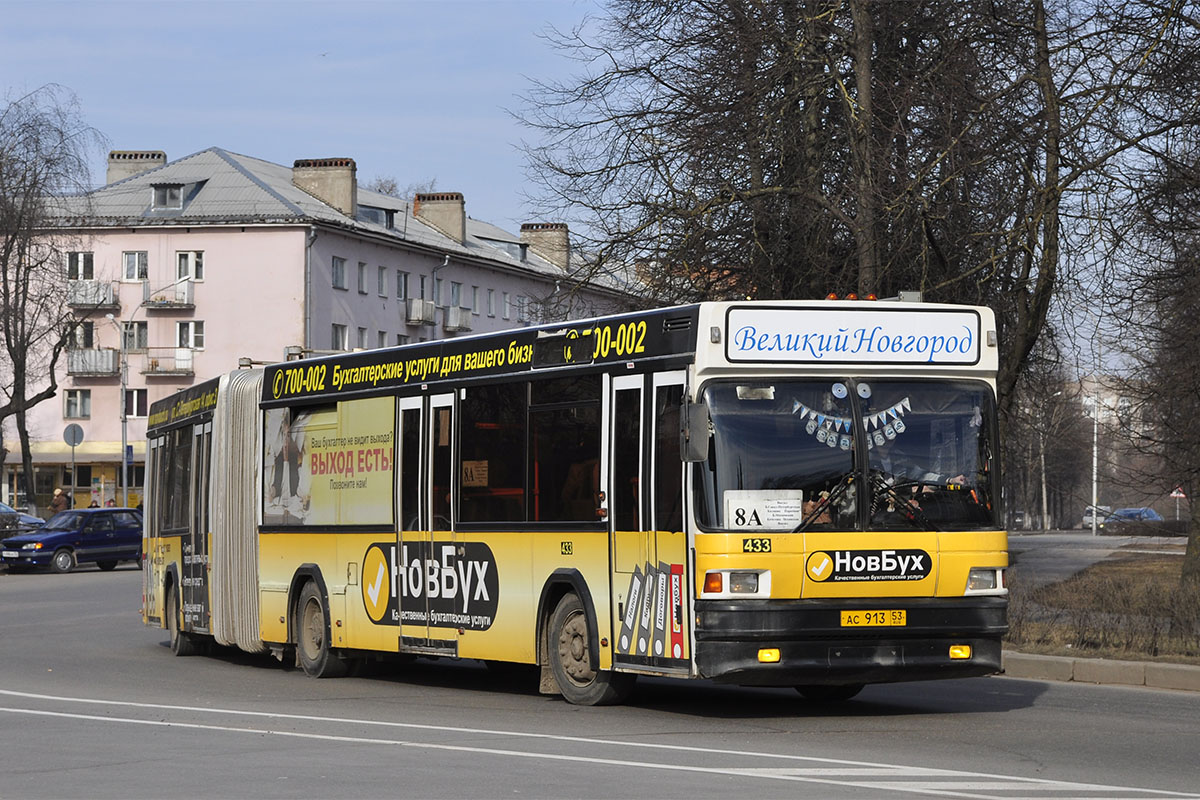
(446, 211)
(124, 164)
(550, 240)
(331, 180)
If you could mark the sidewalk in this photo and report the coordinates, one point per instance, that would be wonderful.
(1105, 671)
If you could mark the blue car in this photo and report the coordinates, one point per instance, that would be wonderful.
(105, 536)
(1127, 517)
(13, 521)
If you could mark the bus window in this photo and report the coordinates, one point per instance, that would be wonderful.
(410, 468)
(179, 479)
(492, 449)
(930, 454)
(627, 459)
(776, 447)
(564, 450)
(668, 483)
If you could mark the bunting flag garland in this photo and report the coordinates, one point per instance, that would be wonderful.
(880, 427)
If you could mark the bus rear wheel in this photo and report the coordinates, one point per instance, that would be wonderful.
(829, 694)
(570, 659)
(182, 644)
(312, 636)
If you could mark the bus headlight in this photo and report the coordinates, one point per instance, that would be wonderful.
(985, 580)
(737, 583)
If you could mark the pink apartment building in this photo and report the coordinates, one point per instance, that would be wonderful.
(186, 267)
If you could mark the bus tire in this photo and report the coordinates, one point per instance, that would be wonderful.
(570, 661)
(313, 652)
(182, 643)
(63, 561)
(829, 694)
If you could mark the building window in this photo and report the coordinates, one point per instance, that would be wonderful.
(382, 281)
(78, 404)
(339, 273)
(168, 196)
(79, 266)
(475, 300)
(437, 291)
(83, 335)
(401, 284)
(455, 294)
(422, 283)
(135, 335)
(491, 302)
(506, 309)
(190, 264)
(136, 403)
(522, 308)
(362, 339)
(136, 265)
(191, 334)
(362, 277)
(338, 340)
(401, 338)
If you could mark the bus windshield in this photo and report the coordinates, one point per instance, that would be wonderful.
(784, 455)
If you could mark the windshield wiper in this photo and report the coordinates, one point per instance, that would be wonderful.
(826, 502)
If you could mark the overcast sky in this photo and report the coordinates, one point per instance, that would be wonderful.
(412, 89)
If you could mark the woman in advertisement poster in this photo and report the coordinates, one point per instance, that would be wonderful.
(288, 482)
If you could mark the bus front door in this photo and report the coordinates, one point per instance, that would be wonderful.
(649, 547)
(426, 538)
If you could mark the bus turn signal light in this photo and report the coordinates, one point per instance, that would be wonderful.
(713, 584)
(959, 651)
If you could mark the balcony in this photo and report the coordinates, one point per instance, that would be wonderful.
(93, 295)
(421, 312)
(94, 362)
(176, 297)
(457, 319)
(169, 362)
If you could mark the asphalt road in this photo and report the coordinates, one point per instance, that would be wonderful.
(92, 704)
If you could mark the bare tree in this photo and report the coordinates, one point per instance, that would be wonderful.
(1161, 330)
(736, 148)
(44, 150)
(389, 185)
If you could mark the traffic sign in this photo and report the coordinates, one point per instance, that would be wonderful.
(1178, 493)
(73, 435)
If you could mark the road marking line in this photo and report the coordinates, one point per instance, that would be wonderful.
(896, 770)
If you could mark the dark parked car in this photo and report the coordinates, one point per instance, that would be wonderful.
(102, 535)
(12, 520)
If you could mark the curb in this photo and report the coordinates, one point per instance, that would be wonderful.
(1105, 671)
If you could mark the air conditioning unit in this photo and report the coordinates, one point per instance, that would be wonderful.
(421, 312)
(458, 319)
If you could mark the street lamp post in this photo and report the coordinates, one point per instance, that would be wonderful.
(1095, 455)
(1042, 458)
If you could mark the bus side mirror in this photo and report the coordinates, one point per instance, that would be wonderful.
(693, 432)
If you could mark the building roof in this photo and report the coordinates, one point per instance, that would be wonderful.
(220, 187)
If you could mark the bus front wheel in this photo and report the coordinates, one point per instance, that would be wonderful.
(570, 659)
(312, 636)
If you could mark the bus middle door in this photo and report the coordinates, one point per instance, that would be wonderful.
(195, 561)
(426, 546)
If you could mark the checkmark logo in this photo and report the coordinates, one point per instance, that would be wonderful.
(376, 591)
(819, 565)
(373, 589)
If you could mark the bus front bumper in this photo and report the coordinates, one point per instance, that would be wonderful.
(814, 648)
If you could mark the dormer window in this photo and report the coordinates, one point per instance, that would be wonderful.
(168, 196)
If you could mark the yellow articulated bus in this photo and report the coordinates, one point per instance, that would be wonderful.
(761, 493)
